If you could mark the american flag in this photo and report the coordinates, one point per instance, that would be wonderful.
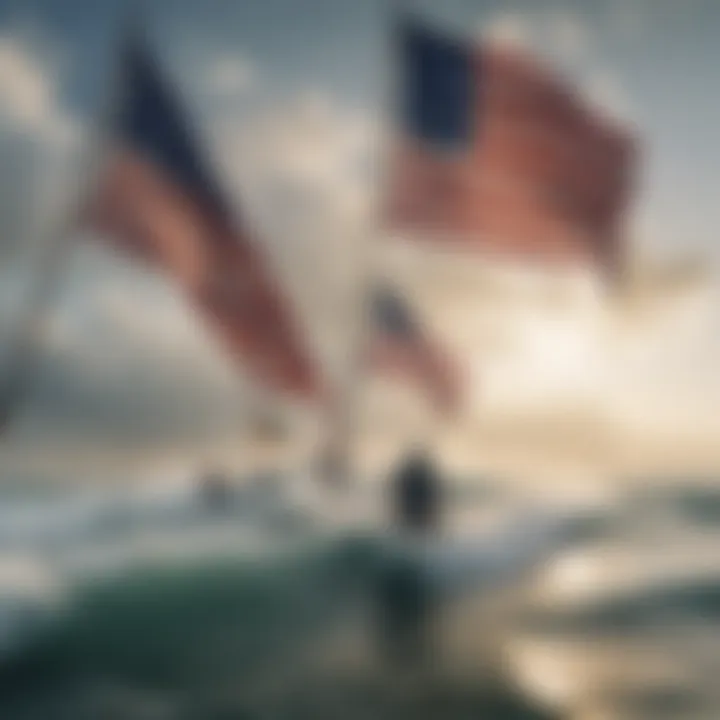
(494, 152)
(158, 200)
(400, 345)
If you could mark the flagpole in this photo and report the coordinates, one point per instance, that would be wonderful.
(342, 413)
(25, 358)
(21, 368)
(346, 402)
(24, 362)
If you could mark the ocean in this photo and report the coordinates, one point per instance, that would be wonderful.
(280, 603)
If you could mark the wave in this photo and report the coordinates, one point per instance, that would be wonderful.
(647, 608)
(695, 503)
(156, 598)
(233, 637)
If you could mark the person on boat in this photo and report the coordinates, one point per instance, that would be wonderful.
(406, 603)
(416, 494)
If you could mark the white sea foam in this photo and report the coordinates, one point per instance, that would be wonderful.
(50, 545)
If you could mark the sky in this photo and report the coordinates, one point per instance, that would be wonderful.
(291, 97)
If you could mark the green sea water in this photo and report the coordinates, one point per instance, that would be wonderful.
(156, 608)
(297, 635)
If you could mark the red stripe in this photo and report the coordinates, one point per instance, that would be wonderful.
(221, 270)
(545, 176)
(422, 363)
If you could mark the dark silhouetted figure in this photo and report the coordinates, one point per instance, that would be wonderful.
(404, 606)
(416, 494)
(405, 592)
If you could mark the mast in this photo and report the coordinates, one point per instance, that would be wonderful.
(344, 401)
(345, 404)
(21, 368)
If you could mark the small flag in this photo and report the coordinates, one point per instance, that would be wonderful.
(494, 153)
(158, 200)
(399, 345)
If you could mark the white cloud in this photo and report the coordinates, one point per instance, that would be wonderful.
(566, 38)
(305, 161)
(314, 142)
(231, 75)
(665, 374)
(568, 35)
(606, 92)
(25, 89)
(119, 333)
(513, 29)
(124, 350)
(551, 32)
(28, 95)
(314, 147)
(300, 171)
